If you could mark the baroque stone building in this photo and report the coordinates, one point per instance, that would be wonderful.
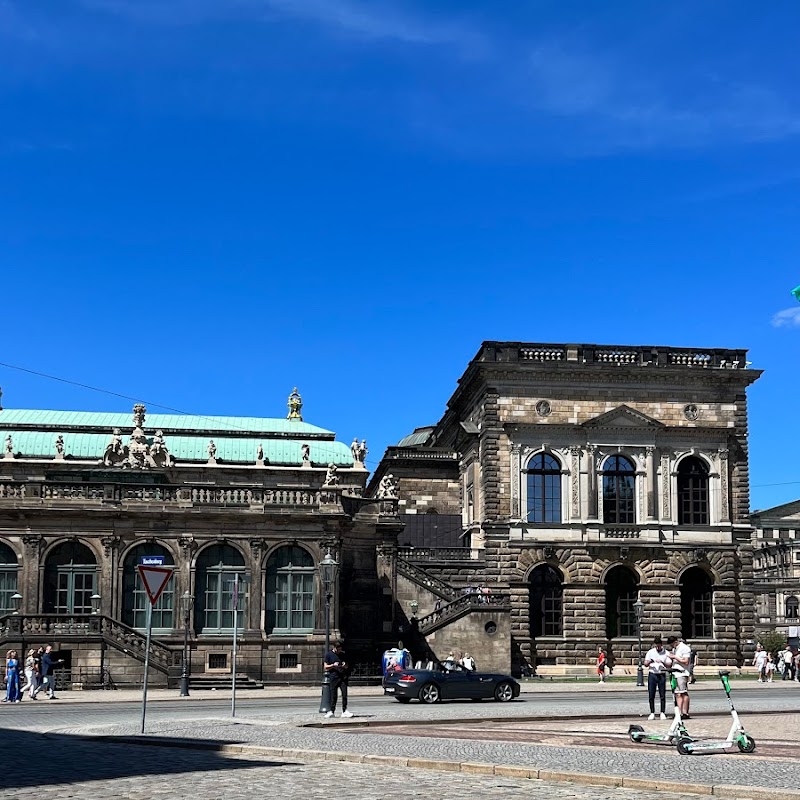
(776, 570)
(84, 496)
(584, 477)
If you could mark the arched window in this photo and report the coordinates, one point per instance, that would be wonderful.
(792, 607)
(217, 568)
(290, 591)
(692, 492)
(544, 489)
(697, 597)
(619, 491)
(134, 598)
(622, 589)
(546, 594)
(8, 579)
(69, 579)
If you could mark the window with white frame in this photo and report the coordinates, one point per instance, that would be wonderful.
(543, 489)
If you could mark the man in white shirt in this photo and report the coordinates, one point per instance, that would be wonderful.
(658, 661)
(681, 654)
(760, 661)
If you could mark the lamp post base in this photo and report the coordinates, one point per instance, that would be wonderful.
(639, 676)
(184, 686)
(325, 700)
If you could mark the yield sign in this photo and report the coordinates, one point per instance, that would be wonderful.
(154, 580)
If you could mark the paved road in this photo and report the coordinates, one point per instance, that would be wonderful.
(97, 771)
(99, 768)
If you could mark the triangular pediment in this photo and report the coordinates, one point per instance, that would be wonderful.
(787, 512)
(623, 417)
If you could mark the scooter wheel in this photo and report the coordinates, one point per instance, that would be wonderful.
(748, 745)
(682, 745)
(636, 732)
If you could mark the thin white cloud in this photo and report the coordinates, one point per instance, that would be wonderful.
(788, 318)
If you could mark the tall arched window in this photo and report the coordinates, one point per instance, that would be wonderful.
(8, 579)
(697, 598)
(217, 568)
(134, 597)
(622, 589)
(792, 607)
(290, 591)
(619, 491)
(544, 489)
(69, 579)
(692, 492)
(546, 594)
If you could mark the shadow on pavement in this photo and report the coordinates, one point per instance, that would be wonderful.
(63, 759)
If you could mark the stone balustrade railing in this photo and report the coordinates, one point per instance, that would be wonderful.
(425, 580)
(63, 627)
(33, 493)
(464, 603)
(440, 554)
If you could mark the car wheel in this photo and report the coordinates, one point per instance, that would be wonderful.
(504, 692)
(429, 693)
(403, 699)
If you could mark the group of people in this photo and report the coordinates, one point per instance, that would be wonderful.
(676, 657)
(786, 663)
(39, 673)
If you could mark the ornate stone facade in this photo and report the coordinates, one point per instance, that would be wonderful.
(590, 476)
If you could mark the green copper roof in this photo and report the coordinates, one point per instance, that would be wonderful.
(176, 422)
(86, 435)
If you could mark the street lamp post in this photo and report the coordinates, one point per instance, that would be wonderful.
(187, 603)
(327, 571)
(638, 608)
(95, 598)
(414, 605)
(16, 599)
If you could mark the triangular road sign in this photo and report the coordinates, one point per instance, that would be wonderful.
(154, 580)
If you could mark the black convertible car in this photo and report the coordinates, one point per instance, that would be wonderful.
(441, 683)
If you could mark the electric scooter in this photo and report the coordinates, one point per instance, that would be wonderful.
(676, 731)
(736, 735)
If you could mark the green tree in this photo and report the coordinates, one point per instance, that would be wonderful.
(772, 641)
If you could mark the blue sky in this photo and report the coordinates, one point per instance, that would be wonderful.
(204, 203)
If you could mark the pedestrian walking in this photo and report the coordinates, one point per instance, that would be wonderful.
(48, 672)
(760, 662)
(770, 668)
(680, 653)
(658, 662)
(788, 664)
(692, 663)
(343, 672)
(602, 663)
(13, 692)
(30, 675)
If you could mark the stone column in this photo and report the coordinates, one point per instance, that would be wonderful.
(516, 472)
(724, 485)
(666, 483)
(592, 472)
(257, 607)
(651, 483)
(575, 483)
(184, 582)
(107, 578)
(28, 575)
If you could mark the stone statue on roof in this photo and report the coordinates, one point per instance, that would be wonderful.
(260, 453)
(295, 404)
(387, 488)
(9, 445)
(359, 452)
(115, 452)
(59, 446)
(331, 478)
(212, 450)
(305, 449)
(159, 454)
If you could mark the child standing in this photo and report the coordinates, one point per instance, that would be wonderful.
(770, 668)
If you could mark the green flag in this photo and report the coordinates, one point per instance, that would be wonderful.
(796, 293)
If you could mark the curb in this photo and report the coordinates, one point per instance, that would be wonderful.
(729, 791)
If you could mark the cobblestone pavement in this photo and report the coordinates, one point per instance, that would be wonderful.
(97, 771)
